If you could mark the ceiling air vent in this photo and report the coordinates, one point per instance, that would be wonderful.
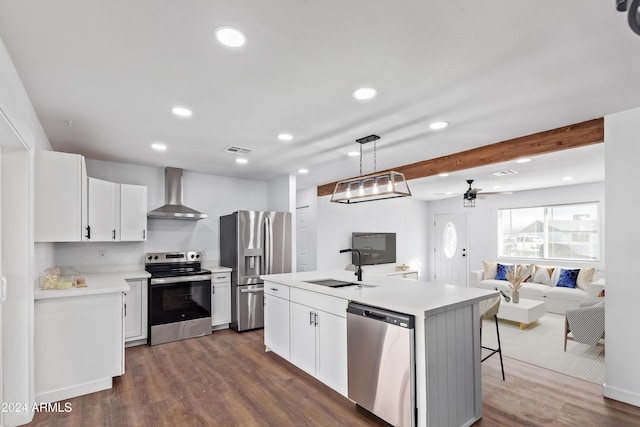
(506, 172)
(237, 150)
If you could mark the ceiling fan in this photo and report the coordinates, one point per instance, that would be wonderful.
(469, 197)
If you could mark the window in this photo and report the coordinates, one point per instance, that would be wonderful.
(570, 232)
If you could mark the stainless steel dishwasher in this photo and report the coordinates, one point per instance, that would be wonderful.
(381, 362)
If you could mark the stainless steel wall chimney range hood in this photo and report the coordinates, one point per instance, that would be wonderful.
(173, 207)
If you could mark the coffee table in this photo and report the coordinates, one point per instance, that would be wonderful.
(526, 312)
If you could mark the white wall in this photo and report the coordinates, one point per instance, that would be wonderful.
(623, 292)
(17, 324)
(211, 194)
(407, 217)
(483, 219)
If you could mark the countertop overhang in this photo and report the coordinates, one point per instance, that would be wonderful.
(405, 296)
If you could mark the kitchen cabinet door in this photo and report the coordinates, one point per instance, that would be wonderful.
(221, 304)
(135, 311)
(276, 325)
(60, 197)
(133, 213)
(103, 207)
(303, 337)
(331, 351)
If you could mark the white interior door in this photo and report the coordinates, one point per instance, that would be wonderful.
(450, 245)
(302, 238)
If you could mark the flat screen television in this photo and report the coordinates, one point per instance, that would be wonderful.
(376, 248)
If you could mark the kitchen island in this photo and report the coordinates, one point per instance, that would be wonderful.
(306, 324)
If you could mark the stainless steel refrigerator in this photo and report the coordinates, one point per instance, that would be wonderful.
(253, 243)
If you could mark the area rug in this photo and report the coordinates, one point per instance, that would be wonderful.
(542, 345)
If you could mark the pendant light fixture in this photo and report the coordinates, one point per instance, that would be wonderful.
(375, 186)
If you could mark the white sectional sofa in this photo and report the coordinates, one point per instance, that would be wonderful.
(557, 299)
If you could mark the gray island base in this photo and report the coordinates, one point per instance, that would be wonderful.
(306, 324)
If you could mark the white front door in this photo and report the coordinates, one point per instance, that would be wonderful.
(450, 245)
(302, 238)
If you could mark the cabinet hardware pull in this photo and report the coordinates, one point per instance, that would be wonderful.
(144, 234)
(274, 289)
(315, 318)
(213, 289)
(311, 318)
(125, 310)
(88, 236)
(113, 234)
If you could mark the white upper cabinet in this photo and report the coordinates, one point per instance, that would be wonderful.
(60, 197)
(104, 209)
(133, 212)
(69, 207)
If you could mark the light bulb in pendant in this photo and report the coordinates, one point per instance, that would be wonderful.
(389, 186)
(348, 193)
(361, 190)
(375, 187)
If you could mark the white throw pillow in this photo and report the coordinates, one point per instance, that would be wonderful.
(585, 277)
(490, 270)
(543, 275)
(527, 272)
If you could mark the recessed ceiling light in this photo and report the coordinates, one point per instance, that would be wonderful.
(365, 93)
(496, 187)
(443, 174)
(231, 37)
(567, 178)
(242, 160)
(303, 170)
(181, 111)
(353, 153)
(438, 125)
(158, 146)
(523, 160)
(285, 137)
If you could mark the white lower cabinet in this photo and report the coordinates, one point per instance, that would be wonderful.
(319, 337)
(220, 299)
(276, 319)
(135, 311)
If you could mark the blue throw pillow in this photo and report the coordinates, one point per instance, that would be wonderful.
(567, 278)
(503, 269)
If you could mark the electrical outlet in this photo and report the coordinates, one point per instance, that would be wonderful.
(101, 253)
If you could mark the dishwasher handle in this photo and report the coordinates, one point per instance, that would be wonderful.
(373, 315)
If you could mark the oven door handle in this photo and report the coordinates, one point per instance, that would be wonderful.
(179, 279)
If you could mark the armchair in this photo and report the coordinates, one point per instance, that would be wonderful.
(585, 323)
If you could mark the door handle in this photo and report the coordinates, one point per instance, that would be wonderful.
(251, 291)
(3, 297)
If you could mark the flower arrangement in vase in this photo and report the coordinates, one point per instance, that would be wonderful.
(515, 276)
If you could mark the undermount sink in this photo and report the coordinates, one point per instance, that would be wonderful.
(333, 283)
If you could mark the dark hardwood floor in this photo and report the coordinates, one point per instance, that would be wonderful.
(227, 379)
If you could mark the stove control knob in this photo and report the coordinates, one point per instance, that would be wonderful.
(149, 257)
(197, 255)
(192, 256)
(155, 257)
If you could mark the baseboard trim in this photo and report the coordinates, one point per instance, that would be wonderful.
(622, 395)
(74, 391)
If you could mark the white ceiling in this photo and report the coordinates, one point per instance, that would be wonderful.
(495, 70)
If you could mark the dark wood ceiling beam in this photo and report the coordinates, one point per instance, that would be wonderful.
(564, 138)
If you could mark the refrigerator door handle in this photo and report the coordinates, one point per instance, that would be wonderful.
(268, 246)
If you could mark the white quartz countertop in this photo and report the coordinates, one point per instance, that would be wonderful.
(98, 283)
(405, 296)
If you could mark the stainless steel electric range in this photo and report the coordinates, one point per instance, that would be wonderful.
(179, 296)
